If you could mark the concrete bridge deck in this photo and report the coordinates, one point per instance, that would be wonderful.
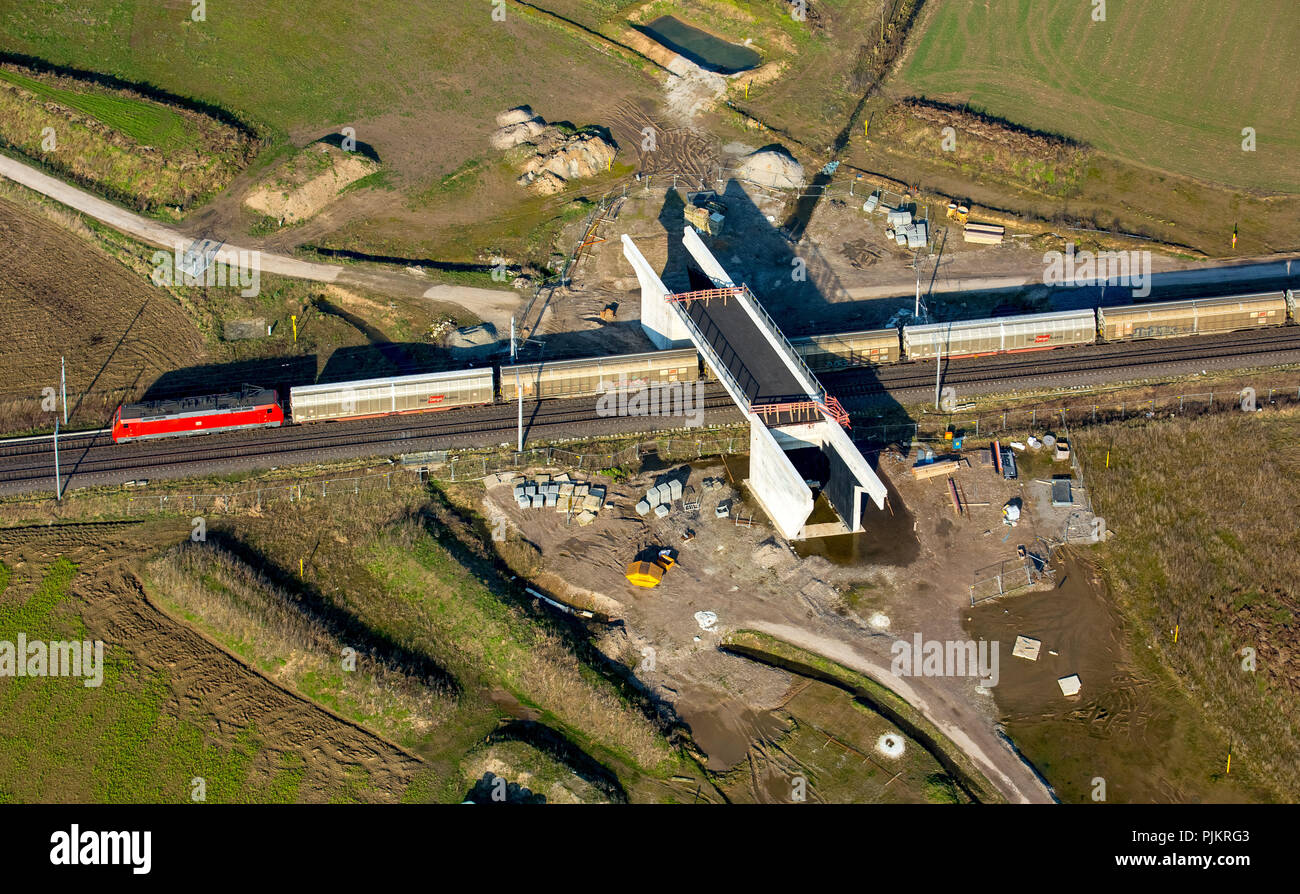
(787, 407)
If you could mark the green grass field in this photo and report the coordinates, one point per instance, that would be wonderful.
(120, 742)
(148, 123)
(1166, 84)
(302, 69)
(1210, 548)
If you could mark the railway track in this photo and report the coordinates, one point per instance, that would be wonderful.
(1063, 361)
(90, 458)
(294, 443)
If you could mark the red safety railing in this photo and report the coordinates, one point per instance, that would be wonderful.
(836, 411)
(705, 294)
(796, 408)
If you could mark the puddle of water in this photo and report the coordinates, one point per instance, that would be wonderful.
(725, 730)
(705, 50)
(886, 539)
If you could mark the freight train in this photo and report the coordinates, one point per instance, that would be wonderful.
(593, 376)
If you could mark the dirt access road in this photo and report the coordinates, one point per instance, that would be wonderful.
(493, 305)
(958, 721)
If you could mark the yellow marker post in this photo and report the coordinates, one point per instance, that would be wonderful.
(1229, 767)
(293, 319)
(747, 90)
(866, 129)
(300, 569)
(1108, 459)
(1175, 633)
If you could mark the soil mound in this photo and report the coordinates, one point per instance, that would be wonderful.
(773, 167)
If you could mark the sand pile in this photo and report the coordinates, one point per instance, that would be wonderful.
(773, 167)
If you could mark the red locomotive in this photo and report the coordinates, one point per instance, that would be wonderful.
(250, 408)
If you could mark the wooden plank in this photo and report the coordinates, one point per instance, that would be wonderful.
(938, 467)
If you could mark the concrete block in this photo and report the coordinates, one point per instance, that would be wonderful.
(652, 497)
(665, 494)
(524, 501)
(538, 501)
(530, 490)
(642, 508)
(675, 489)
(661, 510)
(586, 518)
(551, 500)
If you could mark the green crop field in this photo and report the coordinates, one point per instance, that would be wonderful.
(420, 82)
(118, 742)
(1156, 83)
(148, 123)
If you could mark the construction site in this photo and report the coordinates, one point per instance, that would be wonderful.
(678, 557)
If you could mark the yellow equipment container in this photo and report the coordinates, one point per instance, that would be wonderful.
(645, 574)
(648, 574)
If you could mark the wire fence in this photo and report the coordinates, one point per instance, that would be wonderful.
(414, 469)
(475, 466)
(999, 579)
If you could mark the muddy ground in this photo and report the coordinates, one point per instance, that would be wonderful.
(910, 571)
(1127, 727)
(63, 298)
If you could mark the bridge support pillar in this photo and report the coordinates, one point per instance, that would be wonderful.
(658, 319)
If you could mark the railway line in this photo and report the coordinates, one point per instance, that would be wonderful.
(32, 467)
(90, 458)
(1241, 348)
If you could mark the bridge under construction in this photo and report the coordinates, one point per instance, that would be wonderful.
(787, 408)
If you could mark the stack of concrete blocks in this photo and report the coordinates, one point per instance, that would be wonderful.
(565, 499)
(663, 500)
(561, 494)
(660, 498)
(592, 502)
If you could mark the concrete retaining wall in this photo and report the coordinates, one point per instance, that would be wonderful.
(658, 318)
(776, 484)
